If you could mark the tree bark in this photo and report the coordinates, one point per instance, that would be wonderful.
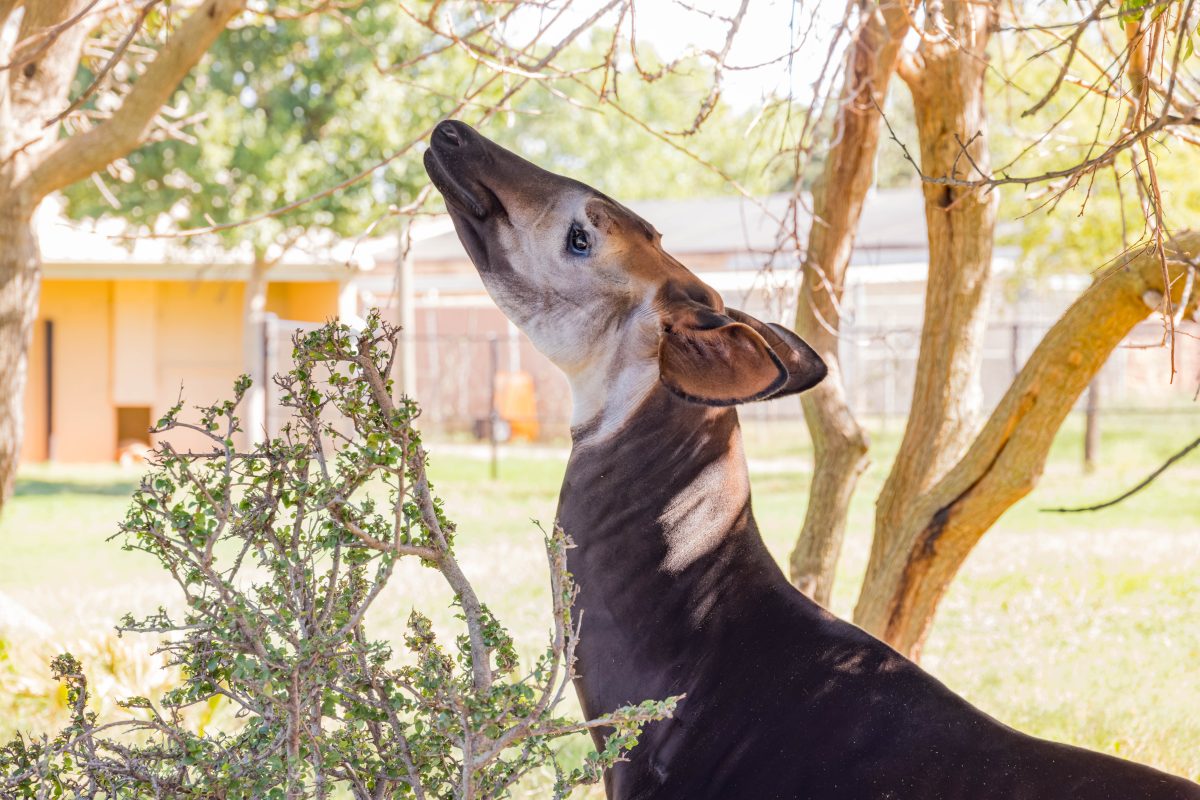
(839, 442)
(39, 79)
(946, 79)
(1091, 431)
(947, 85)
(19, 283)
(942, 525)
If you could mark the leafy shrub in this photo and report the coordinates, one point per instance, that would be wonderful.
(279, 552)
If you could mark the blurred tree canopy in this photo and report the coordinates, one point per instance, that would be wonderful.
(1064, 226)
(278, 112)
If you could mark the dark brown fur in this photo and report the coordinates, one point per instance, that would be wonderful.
(783, 700)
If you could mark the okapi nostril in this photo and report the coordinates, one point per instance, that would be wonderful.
(450, 134)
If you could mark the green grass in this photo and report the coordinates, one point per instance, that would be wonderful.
(1082, 628)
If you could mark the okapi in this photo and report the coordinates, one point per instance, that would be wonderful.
(677, 592)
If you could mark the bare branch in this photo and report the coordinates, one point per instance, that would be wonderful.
(1073, 47)
(33, 47)
(115, 58)
(76, 157)
(1131, 492)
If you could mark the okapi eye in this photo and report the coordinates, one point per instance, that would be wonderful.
(578, 242)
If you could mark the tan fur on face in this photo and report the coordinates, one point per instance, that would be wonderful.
(597, 316)
(618, 315)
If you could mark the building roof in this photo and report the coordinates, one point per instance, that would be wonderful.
(101, 251)
(892, 227)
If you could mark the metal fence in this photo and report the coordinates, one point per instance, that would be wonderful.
(467, 384)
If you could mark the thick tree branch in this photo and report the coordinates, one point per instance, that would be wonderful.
(839, 443)
(1006, 459)
(45, 58)
(36, 38)
(951, 117)
(908, 67)
(75, 158)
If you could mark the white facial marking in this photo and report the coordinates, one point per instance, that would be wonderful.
(607, 389)
(567, 304)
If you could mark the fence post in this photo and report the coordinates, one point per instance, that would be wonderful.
(1091, 433)
(271, 365)
(493, 413)
(1014, 353)
(405, 370)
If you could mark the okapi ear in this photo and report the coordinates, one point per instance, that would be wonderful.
(805, 369)
(709, 358)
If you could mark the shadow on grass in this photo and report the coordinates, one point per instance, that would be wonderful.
(41, 487)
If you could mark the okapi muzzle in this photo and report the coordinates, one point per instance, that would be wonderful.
(678, 595)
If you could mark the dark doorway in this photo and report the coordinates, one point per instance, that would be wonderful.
(133, 433)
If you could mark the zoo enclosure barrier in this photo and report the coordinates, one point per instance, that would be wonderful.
(494, 386)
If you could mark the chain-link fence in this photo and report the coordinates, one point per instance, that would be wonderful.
(879, 365)
(471, 384)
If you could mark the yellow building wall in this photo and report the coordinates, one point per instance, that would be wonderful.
(34, 443)
(303, 302)
(134, 342)
(139, 343)
(199, 349)
(84, 422)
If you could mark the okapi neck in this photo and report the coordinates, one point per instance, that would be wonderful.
(667, 558)
(660, 510)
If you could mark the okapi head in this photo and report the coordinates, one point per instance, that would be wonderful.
(588, 282)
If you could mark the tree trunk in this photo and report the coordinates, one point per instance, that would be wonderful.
(946, 79)
(35, 160)
(254, 358)
(20, 278)
(38, 80)
(839, 442)
(1003, 464)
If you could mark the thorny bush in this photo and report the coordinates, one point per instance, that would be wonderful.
(279, 552)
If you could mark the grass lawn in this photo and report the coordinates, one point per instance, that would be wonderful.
(1082, 628)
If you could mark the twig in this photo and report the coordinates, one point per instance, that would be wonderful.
(116, 56)
(1125, 495)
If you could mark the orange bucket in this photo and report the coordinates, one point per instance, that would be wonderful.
(516, 404)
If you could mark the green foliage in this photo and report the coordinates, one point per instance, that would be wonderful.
(279, 553)
(1098, 220)
(1079, 223)
(283, 110)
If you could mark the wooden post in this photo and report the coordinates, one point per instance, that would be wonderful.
(405, 372)
(51, 450)
(271, 345)
(1091, 434)
(493, 413)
